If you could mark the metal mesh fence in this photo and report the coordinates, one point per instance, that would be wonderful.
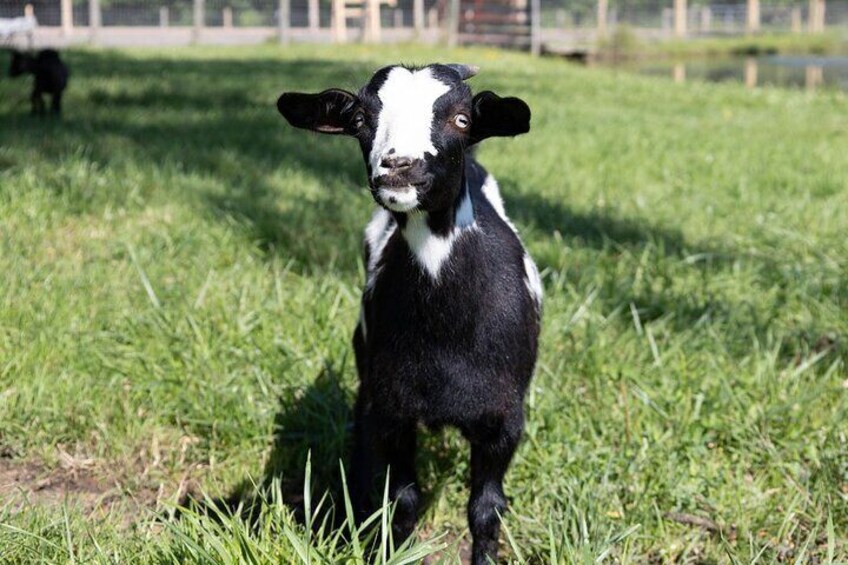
(648, 16)
(719, 18)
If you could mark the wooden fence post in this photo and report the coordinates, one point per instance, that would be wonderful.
(418, 17)
(816, 16)
(283, 18)
(796, 20)
(752, 21)
(818, 23)
(535, 28)
(750, 72)
(199, 20)
(67, 17)
(680, 18)
(227, 17)
(372, 21)
(29, 13)
(93, 20)
(313, 16)
(814, 77)
(164, 16)
(603, 6)
(453, 23)
(706, 19)
(338, 22)
(433, 18)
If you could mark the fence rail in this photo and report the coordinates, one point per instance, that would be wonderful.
(161, 22)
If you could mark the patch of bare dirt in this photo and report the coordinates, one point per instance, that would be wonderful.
(81, 483)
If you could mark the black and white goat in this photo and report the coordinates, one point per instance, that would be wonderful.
(451, 309)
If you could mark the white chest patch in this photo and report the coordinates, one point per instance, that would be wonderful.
(406, 117)
(431, 250)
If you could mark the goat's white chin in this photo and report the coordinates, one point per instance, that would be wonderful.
(399, 199)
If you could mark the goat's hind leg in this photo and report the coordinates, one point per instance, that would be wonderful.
(491, 453)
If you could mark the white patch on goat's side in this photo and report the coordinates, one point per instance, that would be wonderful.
(377, 234)
(406, 116)
(399, 199)
(493, 194)
(431, 250)
(533, 280)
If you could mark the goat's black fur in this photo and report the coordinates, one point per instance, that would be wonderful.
(50, 77)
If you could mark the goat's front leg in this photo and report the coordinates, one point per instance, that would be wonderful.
(56, 106)
(380, 445)
(490, 458)
(363, 462)
(37, 103)
(399, 451)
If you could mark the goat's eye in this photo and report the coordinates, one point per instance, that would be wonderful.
(461, 121)
(359, 120)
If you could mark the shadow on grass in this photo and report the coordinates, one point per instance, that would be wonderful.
(316, 424)
(214, 125)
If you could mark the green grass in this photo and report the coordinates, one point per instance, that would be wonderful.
(180, 280)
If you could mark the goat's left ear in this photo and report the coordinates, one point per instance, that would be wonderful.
(494, 116)
(331, 111)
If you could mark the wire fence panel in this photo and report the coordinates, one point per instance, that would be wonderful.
(575, 21)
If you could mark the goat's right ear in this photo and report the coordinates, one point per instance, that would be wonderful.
(331, 111)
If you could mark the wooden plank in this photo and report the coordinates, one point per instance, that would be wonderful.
(494, 38)
(499, 29)
(515, 19)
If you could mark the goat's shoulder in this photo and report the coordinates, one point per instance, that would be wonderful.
(494, 221)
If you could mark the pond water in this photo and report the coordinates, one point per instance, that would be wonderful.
(805, 72)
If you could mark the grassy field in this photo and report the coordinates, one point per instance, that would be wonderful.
(180, 281)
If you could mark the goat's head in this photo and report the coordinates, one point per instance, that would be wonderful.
(413, 125)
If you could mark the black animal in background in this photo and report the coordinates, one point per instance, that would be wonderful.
(51, 77)
(451, 311)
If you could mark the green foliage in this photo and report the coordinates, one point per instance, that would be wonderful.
(181, 272)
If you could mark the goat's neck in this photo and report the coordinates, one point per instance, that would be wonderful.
(431, 235)
(442, 222)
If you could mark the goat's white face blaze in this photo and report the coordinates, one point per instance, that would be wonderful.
(404, 125)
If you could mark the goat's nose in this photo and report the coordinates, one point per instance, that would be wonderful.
(395, 164)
